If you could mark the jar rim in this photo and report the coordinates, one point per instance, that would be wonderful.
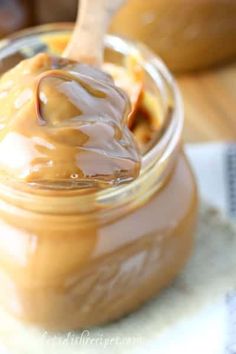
(157, 154)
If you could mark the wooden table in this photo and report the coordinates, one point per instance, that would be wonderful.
(210, 104)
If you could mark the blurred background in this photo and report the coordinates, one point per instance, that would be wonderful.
(197, 41)
(196, 38)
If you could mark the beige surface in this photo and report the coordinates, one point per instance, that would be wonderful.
(210, 104)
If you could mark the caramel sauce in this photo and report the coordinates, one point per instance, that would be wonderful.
(64, 124)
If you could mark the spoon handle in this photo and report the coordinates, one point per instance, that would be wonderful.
(87, 42)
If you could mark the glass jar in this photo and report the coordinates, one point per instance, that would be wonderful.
(70, 260)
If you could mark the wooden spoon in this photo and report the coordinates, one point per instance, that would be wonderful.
(87, 41)
(87, 46)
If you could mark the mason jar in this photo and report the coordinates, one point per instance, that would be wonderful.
(71, 260)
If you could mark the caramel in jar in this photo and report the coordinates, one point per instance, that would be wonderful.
(71, 260)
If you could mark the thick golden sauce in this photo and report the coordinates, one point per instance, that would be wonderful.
(64, 124)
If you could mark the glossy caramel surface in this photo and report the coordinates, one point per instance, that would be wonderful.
(64, 124)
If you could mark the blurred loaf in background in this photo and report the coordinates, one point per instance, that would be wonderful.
(187, 34)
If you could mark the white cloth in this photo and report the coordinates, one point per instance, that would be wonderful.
(215, 168)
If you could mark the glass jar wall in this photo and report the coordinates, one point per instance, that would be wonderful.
(70, 260)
